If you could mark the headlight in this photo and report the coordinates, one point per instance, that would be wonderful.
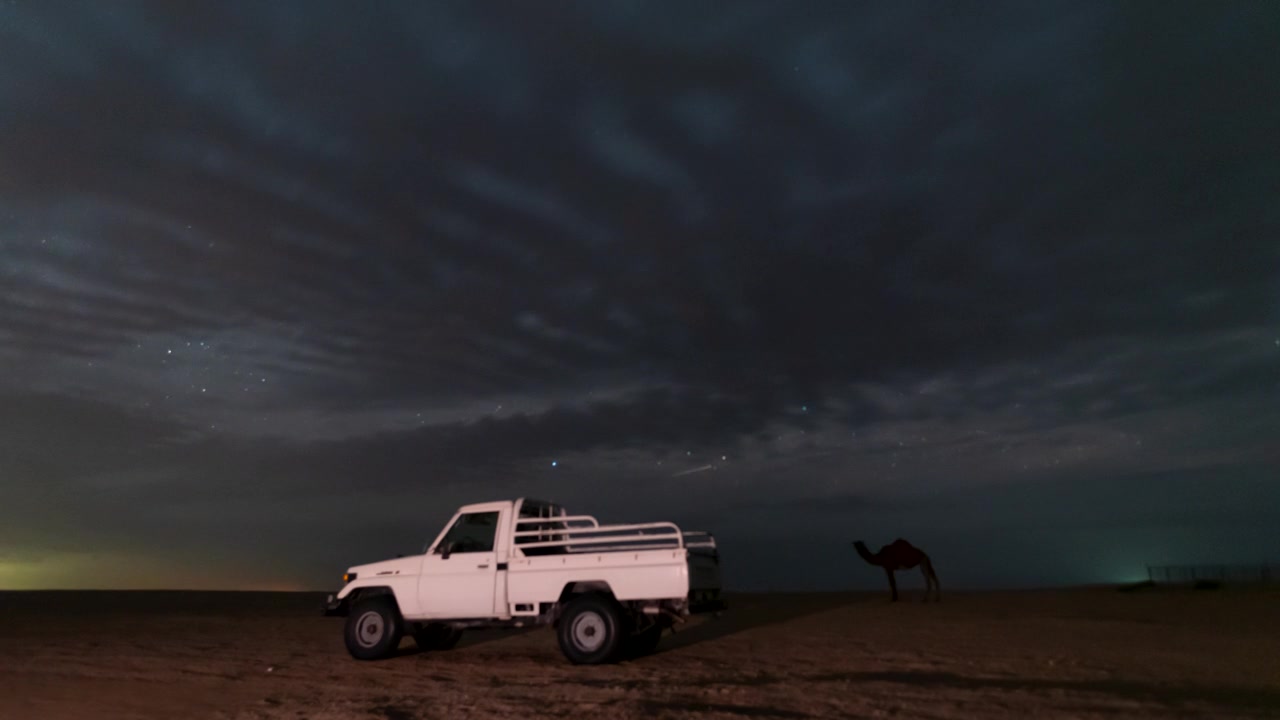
(348, 577)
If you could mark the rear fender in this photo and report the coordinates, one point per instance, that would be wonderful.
(582, 587)
(585, 586)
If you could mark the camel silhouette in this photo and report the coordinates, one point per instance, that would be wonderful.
(902, 555)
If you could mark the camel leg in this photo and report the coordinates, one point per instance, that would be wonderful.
(893, 585)
(930, 581)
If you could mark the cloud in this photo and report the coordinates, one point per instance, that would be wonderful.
(841, 248)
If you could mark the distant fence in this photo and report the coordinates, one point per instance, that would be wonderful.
(1227, 574)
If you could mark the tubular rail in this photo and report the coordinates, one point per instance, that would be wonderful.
(645, 535)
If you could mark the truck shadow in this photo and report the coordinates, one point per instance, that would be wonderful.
(470, 638)
(749, 612)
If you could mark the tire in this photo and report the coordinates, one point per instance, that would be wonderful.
(374, 628)
(591, 630)
(437, 636)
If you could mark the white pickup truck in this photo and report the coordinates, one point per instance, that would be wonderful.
(609, 590)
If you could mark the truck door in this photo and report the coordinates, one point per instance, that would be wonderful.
(458, 576)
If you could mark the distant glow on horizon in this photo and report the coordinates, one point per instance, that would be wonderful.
(85, 571)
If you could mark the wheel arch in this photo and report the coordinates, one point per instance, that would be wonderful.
(362, 594)
(582, 587)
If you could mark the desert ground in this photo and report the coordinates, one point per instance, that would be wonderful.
(1066, 653)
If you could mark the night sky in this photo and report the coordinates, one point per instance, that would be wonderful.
(282, 284)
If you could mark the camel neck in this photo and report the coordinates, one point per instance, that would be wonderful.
(866, 554)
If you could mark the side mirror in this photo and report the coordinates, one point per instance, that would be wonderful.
(446, 547)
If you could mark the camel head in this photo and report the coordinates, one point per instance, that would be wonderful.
(864, 553)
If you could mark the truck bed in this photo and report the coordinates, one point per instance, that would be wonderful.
(637, 561)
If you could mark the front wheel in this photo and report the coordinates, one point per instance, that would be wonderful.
(373, 629)
(590, 630)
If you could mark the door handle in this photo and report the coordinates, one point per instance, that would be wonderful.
(483, 566)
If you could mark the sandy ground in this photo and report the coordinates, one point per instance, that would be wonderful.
(1076, 653)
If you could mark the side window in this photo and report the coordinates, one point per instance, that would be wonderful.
(472, 533)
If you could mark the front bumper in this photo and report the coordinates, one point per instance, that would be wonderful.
(333, 607)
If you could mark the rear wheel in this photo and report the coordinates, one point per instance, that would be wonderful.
(373, 628)
(590, 630)
(437, 636)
